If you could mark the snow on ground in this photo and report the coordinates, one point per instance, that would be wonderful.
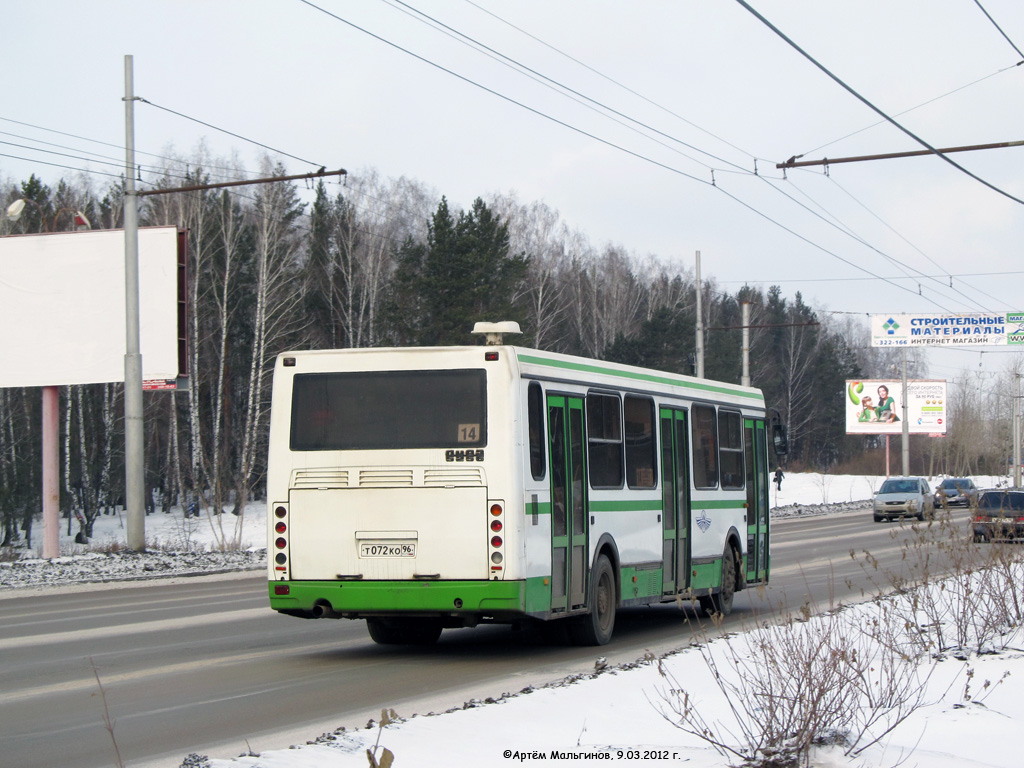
(969, 714)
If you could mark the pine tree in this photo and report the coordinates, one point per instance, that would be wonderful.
(464, 273)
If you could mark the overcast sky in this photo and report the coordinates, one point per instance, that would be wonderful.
(676, 106)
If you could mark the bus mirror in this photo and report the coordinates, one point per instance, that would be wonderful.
(780, 441)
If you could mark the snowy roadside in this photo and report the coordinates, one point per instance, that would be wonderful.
(99, 568)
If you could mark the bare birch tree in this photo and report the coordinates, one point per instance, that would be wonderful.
(537, 231)
(276, 318)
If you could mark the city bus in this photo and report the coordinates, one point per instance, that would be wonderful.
(443, 487)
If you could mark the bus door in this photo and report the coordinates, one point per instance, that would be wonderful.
(757, 499)
(675, 479)
(568, 504)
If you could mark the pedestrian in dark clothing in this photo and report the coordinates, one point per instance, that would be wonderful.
(779, 474)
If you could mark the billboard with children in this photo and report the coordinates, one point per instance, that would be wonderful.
(875, 407)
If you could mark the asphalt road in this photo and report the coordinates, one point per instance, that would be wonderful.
(203, 665)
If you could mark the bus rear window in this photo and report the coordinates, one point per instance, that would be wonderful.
(389, 409)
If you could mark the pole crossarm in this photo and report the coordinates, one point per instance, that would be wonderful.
(793, 162)
(269, 180)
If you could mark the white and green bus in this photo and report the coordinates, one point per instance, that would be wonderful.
(442, 487)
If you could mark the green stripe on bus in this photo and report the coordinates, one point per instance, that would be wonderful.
(636, 505)
(653, 378)
(724, 504)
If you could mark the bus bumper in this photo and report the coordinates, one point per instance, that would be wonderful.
(476, 600)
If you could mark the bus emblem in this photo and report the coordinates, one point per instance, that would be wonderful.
(703, 522)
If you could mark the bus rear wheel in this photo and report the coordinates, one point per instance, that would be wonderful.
(403, 631)
(721, 602)
(597, 626)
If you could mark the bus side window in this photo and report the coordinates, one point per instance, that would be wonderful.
(640, 449)
(535, 420)
(730, 433)
(604, 440)
(705, 447)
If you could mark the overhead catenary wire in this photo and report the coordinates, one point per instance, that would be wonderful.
(588, 134)
(227, 132)
(1005, 36)
(119, 147)
(871, 106)
(569, 90)
(910, 244)
(911, 109)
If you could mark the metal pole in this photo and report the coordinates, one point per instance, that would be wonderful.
(1016, 435)
(700, 326)
(51, 475)
(133, 446)
(745, 380)
(906, 425)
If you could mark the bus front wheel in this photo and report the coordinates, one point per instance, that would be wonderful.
(403, 631)
(721, 601)
(596, 627)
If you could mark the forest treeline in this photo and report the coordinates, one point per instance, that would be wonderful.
(383, 262)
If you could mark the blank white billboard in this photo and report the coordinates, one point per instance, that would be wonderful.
(62, 307)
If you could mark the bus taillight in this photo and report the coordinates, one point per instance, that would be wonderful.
(280, 543)
(280, 512)
(281, 527)
(496, 508)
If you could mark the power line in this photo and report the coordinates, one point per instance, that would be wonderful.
(615, 82)
(1007, 37)
(911, 109)
(862, 279)
(60, 165)
(503, 97)
(904, 239)
(821, 248)
(871, 106)
(568, 90)
(228, 171)
(849, 233)
(229, 133)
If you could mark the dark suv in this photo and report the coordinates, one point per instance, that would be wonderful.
(999, 515)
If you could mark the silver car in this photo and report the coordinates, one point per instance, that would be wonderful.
(903, 497)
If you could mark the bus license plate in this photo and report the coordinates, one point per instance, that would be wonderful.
(387, 549)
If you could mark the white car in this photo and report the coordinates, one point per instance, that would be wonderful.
(904, 497)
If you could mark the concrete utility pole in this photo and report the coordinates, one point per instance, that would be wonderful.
(134, 484)
(906, 426)
(134, 460)
(745, 379)
(700, 326)
(1016, 434)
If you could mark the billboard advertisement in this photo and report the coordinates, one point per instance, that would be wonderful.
(875, 407)
(983, 329)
